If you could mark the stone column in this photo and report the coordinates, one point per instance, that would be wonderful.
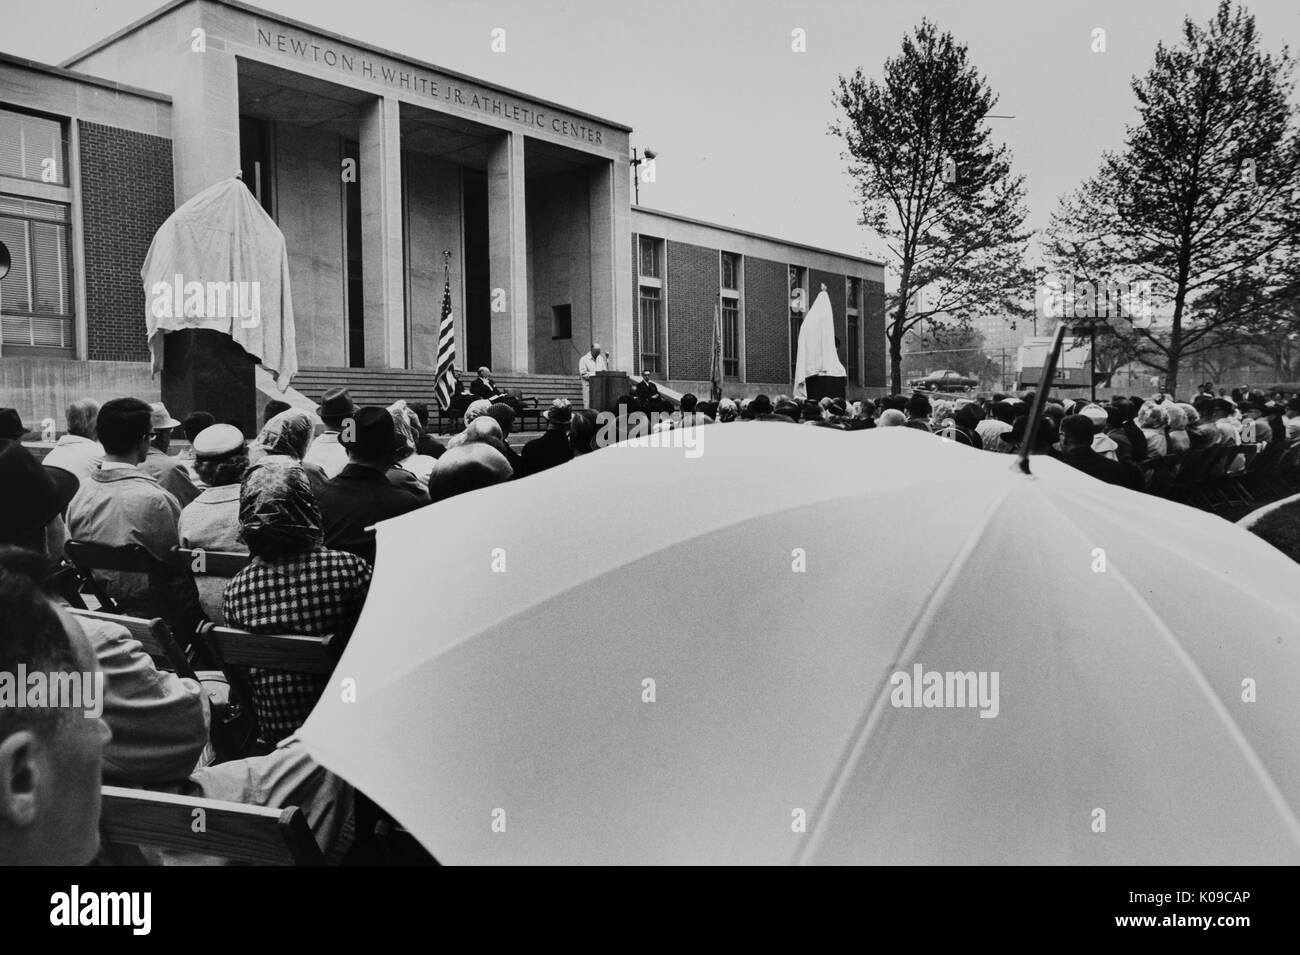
(508, 253)
(382, 265)
(623, 341)
(205, 120)
(600, 196)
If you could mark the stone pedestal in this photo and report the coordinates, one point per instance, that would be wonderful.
(206, 371)
(826, 386)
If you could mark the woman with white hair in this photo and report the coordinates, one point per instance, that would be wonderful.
(1179, 439)
(407, 424)
(727, 410)
(941, 416)
(1152, 421)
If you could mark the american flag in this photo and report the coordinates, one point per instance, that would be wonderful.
(446, 383)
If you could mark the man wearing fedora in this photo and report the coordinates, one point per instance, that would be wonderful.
(33, 497)
(169, 472)
(553, 446)
(11, 425)
(335, 408)
(361, 494)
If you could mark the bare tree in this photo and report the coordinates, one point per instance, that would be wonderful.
(933, 185)
(1200, 195)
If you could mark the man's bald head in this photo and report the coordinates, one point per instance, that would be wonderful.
(483, 427)
(470, 466)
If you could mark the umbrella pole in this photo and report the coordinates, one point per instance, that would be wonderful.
(1040, 399)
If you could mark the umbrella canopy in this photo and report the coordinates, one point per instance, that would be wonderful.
(219, 262)
(662, 655)
(817, 354)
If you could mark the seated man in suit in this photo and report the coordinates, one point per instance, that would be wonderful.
(648, 398)
(484, 387)
(461, 397)
(362, 493)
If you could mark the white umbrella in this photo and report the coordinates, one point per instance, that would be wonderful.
(771, 584)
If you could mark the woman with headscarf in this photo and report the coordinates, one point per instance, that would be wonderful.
(1152, 420)
(406, 457)
(1177, 436)
(293, 585)
(289, 435)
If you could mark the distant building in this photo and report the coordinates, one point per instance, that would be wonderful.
(685, 269)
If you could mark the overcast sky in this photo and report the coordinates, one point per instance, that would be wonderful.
(739, 120)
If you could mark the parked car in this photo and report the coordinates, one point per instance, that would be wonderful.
(946, 380)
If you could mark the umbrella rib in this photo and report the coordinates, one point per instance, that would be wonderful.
(1253, 759)
(867, 724)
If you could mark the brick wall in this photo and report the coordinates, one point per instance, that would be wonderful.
(767, 320)
(874, 370)
(126, 194)
(692, 274)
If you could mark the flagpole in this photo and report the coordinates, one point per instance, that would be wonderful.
(1040, 399)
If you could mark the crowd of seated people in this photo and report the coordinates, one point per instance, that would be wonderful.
(1139, 435)
(301, 498)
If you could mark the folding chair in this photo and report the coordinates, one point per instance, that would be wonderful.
(67, 583)
(1190, 470)
(201, 562)
(172, 595)
(1237, 482)
(153, 635)
(251, 834)
(1215, 477)
(1263, 470)
(1161, 472)
(1288, 468)
(235, 649)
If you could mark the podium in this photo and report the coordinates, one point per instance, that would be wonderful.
(606, 388)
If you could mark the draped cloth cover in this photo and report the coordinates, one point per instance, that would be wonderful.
(223, 240)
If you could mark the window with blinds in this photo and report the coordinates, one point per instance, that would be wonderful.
(33, 147)
(36, 301)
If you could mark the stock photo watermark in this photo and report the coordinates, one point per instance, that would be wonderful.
(237, 301)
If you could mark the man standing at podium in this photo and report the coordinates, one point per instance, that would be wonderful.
(588, 365)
